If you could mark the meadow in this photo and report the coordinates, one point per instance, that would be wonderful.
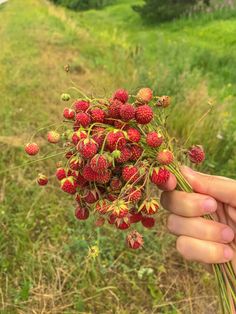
(46, 257)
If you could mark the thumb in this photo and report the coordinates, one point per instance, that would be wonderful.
(220, 188)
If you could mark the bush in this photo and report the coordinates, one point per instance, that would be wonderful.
(82, 5)
(165, 10)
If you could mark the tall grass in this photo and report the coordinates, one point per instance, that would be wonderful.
(45, 261)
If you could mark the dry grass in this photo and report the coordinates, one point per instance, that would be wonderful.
(46, 267)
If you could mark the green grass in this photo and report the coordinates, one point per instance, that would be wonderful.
(45, 265)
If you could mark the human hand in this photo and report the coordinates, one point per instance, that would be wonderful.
(201, 239)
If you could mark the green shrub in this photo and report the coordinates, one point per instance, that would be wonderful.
(81, 5)
(165, 10)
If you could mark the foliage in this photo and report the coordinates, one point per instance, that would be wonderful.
(81, 5)
(165, 10)
(44, 263)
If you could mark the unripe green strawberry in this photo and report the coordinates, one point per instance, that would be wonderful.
(65, 97)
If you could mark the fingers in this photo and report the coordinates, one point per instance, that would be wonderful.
(170, 185)
(220, 188)
(200, 228)
(203, 251)
(188, 204)
(232, 213)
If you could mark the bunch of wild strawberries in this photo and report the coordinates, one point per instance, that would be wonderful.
(115, 152)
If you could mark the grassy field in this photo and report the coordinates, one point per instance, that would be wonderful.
(46, 265)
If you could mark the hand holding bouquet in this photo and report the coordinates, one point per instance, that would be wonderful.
(117, 155)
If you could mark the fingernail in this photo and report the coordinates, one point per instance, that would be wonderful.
(227, 234)
(187, 170)
(228, 253)
(209, 205)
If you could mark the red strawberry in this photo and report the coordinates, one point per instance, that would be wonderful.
(81, 213)
(77, 136)
(122, 223)
(81, 105)
(130, 173)
(133, 135)
(76, 163)
(196, 154)
(112, 197)
(69, 154)
(83, 119)
(149, 207)
(97, 115)
(98, 135)
(135, 217)
(60, 173)
(32, 149)
(134, 194)
(89, 174)
(111, 219)
(148, 222)
(115, 184)
(78, 198)
(136, 152)
(90, 196)
(134, 240)
(165, 157)
(68, 185)
(102, 206)
(154, 139)
(160, 176)
(80, 180)
(121, 94)
(127, 112)
(120, 209)
(99, 163)
(116, 140)
(76, 126)
(104, 177)
(144, 95)
(125, 154)
(87, 148)
(42, 179)
(69, 113)
(144, 114)
(114, 109)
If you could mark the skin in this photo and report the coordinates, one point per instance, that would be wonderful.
(200, 239)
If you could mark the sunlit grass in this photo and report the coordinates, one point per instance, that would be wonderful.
(44, 252)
